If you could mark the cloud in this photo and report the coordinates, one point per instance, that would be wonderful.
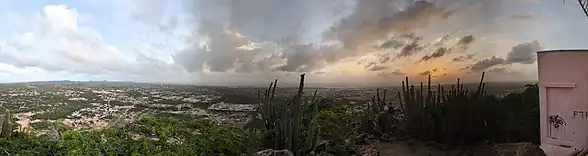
(410, 49)
(521, 16)
(428, 72)
(62, 44)
(523, 53)
(437, 54)
(373, 67)
(81, 50)
(392, 43)
(425, 73)
(462, 44)
(258, 21)
(463, 58)
(226, 40)
(466, 40)
(396, 72)
(487, 63)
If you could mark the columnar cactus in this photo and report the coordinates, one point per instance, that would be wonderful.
(282, 122)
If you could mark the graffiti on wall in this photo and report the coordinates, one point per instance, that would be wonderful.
(582, 114)
(556, 121)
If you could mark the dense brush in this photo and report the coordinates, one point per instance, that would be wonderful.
(457, 115)
(281, 124)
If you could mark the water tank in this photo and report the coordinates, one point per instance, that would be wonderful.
(563, 83)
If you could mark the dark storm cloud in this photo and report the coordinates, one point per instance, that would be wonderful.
(377, 68)
(466, 40)
(220, 55)
(500, 70)
(463, 58)
(370, 22)
(399, 41)
(425, 73)
(266, 20)
(301, 58)
(463, 43)
(487, 63)
(373, 20)
(394, 73)
(437, 54)
(410, 49)
(384, 59)
(392, 43)
(523, 53)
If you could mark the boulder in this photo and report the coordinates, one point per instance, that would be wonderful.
(368, 150)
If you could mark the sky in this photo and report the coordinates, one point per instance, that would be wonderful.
(234, 42)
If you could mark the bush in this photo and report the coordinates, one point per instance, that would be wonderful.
(278, 125)
(147, 136)
(339, 125)
(457, 116)
(22, 144)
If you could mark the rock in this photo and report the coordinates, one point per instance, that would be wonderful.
(271, 152)
(521, 149)
(368, 150)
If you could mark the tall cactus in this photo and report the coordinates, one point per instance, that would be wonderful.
(7, 127)
(443, 115)
(376, 118)
(282, 123)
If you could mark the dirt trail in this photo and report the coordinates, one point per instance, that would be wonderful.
(405, 149)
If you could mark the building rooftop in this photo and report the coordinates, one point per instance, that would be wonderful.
(562, 50)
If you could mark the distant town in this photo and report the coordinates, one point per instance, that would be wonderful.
(100, 104)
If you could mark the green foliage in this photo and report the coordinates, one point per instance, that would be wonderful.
(338, 121)
(517, 116)
(339, 124)
(41, 125)
(7, 125)
(23, 144)
(376, 118)
(147, 136)
(200, 136)
(290, 125)
(457, 116)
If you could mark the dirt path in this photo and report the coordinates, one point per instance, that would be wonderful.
(405, 149)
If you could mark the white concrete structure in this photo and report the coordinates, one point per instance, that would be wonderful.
(563, 91)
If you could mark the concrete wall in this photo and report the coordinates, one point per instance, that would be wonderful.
(563, 83)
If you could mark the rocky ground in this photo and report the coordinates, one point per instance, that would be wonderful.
(406, 148)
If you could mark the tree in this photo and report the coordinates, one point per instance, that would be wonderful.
(584, 5)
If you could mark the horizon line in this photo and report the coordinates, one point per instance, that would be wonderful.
(292, 84)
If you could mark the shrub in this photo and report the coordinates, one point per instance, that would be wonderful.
(291, 125)
(154, 136)
(458, 116)
(339, 125)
